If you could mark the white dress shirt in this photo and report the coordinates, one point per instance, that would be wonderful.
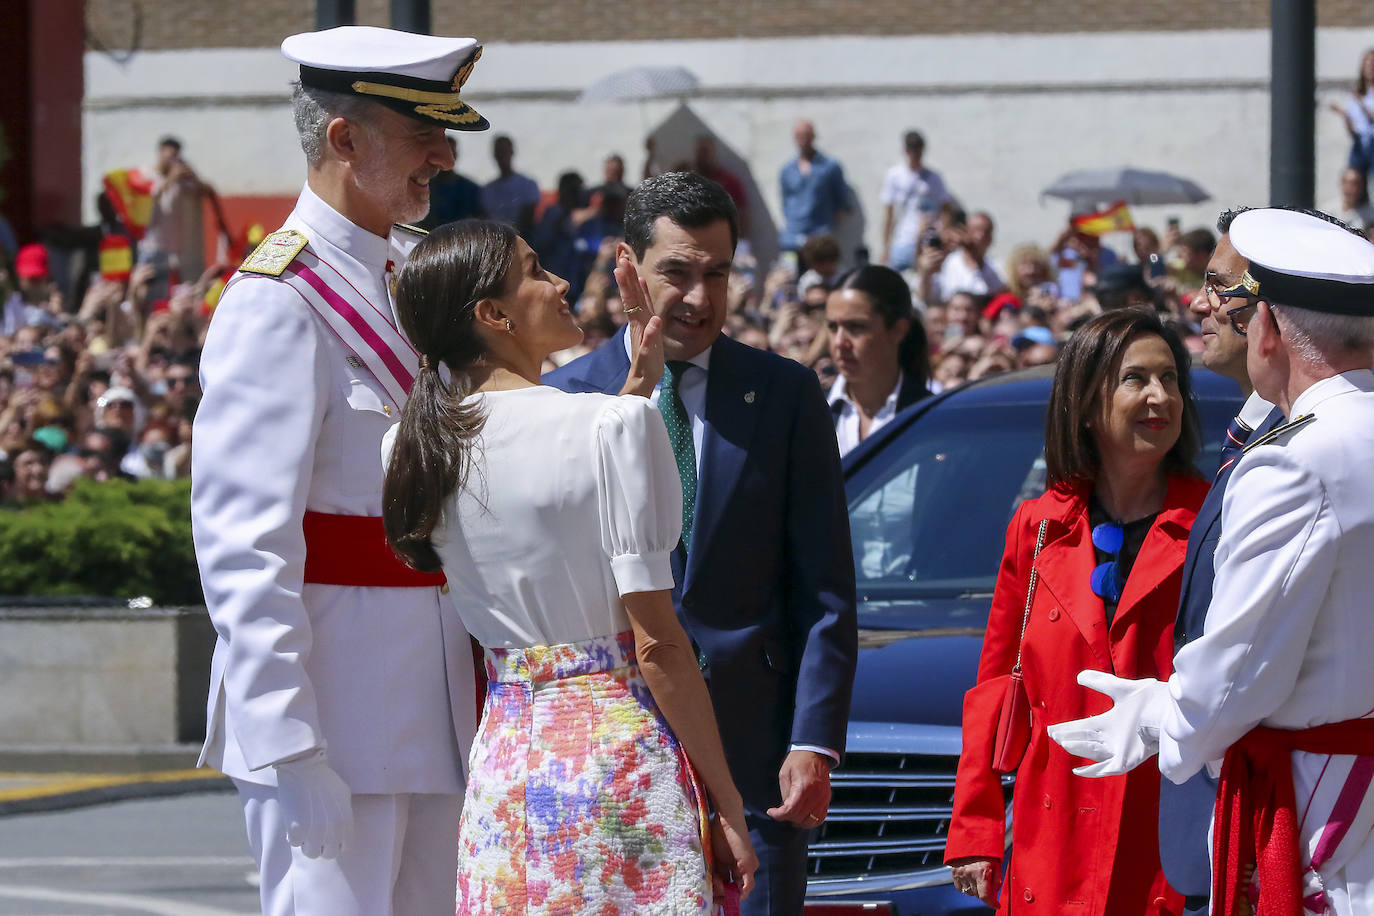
(847, 414)
(1254, 411)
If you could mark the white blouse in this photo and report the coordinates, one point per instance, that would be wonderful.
(572, 501)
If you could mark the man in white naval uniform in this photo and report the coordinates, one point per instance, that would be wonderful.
(342, 692)
(1280, 686)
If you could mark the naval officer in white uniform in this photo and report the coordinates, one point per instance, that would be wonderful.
(1280, 687)
(342, 693)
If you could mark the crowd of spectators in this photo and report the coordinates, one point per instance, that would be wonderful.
(981, 315)
(105, 387)
(99, 377)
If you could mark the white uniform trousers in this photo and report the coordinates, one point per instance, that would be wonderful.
(402, 859)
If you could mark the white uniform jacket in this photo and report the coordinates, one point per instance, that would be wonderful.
(291, 421)
(1289, 635)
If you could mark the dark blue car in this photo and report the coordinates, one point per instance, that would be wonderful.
(929, 501)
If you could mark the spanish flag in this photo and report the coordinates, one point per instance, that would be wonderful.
(215, 290)
(1116, 218)
(116, 258)
(131, 194)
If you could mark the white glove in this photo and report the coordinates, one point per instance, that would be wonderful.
(316, 806)
(1123, 737)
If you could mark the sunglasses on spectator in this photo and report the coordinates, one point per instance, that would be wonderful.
(176, 380)
(1106, 581)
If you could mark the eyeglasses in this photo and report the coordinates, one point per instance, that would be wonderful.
(1240, 317)
(1106, 579)
(1213, 291)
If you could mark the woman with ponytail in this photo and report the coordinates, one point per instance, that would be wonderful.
(879, 345)
(553, 516)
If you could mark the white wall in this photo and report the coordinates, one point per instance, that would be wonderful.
(1003, 115)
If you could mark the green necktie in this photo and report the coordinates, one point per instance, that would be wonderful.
(680, 435)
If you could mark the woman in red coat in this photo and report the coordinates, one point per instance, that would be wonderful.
(1119, 447)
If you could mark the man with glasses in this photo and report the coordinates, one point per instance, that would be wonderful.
(1185, 811)
(1278, 688)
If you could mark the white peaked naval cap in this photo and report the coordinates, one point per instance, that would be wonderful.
(1305, 261)
(418, 75)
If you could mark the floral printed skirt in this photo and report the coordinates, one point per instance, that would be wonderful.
(580, 800)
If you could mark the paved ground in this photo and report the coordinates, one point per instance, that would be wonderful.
(180, 856)
(50, 791)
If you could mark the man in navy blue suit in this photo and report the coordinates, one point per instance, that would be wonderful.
(1185, 812)
(765, 574)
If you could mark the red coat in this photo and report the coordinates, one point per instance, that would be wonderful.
(1088, 847)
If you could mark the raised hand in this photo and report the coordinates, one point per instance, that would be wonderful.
(645, 330)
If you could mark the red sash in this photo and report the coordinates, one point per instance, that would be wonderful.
(353, 550)
(1256, 813)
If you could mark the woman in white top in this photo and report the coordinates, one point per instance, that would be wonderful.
(553, 516)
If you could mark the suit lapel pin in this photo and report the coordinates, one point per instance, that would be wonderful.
(748, 397)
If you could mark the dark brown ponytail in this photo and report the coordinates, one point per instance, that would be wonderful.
(448, 273)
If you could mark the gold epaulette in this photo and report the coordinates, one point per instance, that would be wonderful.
(414, 230)
(274, 253)
(1290, 426)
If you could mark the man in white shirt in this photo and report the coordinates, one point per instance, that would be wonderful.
(911, 196)
(1278, 687)
(967, 269)
(341, 694)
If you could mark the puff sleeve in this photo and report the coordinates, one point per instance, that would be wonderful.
(639, 493)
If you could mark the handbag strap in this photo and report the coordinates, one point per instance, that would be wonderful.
(1030, 593)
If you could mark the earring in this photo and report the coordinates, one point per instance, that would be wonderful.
(510, 326)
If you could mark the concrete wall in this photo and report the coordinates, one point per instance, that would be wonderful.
(102, 677)
(153, 25)
(1004, 115)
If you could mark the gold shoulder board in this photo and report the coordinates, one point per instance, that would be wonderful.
(274, 253)
(413, 230)
(1290, 426)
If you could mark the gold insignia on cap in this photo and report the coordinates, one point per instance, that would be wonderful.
(465, 71)
(443, 106)
(1250, 283)
(275, 253)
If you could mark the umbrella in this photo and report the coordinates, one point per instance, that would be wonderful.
(1134, 186)
(639, 83)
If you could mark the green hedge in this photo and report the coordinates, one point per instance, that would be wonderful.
(114, 539)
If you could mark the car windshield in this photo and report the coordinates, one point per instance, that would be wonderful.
(931, 523)
(928, 514)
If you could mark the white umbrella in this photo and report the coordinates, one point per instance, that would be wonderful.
(1134, 186)
(639, 83)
